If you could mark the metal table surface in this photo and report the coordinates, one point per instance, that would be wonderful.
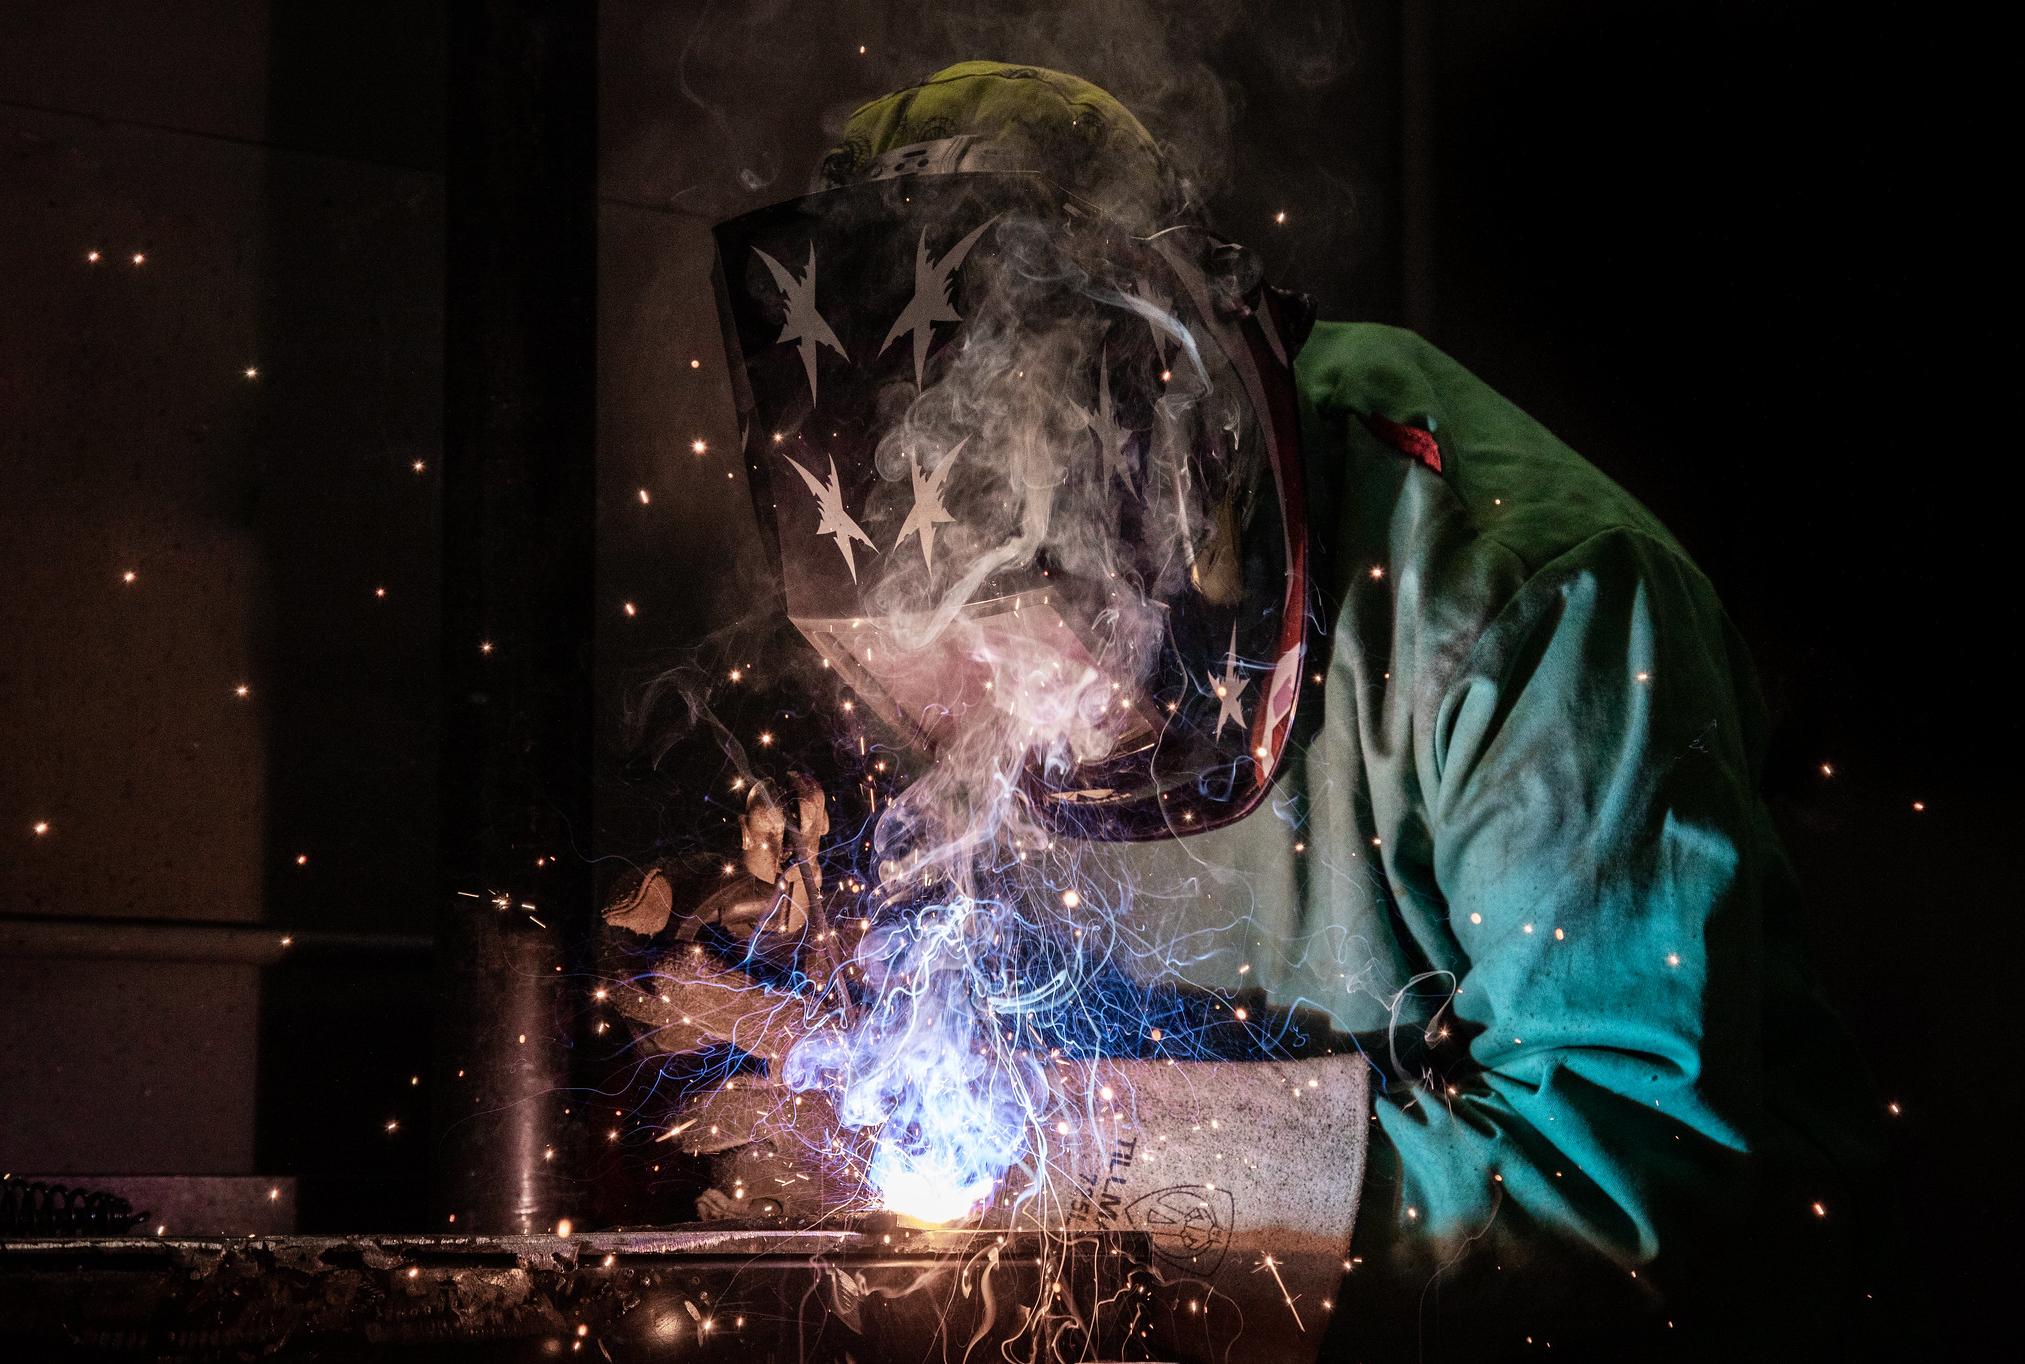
(866, 1291)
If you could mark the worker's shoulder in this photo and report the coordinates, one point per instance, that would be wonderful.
(1518, 489)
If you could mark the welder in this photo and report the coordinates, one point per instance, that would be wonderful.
(1448, 736)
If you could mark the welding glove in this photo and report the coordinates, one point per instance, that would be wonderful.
(735, 981)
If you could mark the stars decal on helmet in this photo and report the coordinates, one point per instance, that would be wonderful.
(928, 512)
(1229, 688)
(1112, 437)
(835, 522)
(1153, 303)
(804, 325)
(930, 303)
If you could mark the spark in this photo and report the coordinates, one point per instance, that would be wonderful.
(39, 827)
(129, 577)
(1286, 1297)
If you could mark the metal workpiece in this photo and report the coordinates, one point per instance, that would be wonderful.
(867, 1291)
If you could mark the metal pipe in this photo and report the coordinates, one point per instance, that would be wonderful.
(519, 510)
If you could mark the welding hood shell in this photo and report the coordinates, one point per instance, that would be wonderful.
(1024, 472)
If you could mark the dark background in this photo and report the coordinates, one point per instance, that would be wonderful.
(1743, 256)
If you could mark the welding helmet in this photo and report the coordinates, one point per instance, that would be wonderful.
(1029, 470)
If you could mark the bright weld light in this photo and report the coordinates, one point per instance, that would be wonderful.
(918, 1069)
(699, 446)
(925, 1190)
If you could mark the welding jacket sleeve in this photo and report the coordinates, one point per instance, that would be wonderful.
(1590, 1100)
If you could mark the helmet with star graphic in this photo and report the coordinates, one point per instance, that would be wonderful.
(1021, 432)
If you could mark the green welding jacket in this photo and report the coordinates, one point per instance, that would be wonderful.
(1519, 854)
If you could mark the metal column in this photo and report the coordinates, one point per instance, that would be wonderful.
(519, 509)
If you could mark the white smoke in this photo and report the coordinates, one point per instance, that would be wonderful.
(1050, 580)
